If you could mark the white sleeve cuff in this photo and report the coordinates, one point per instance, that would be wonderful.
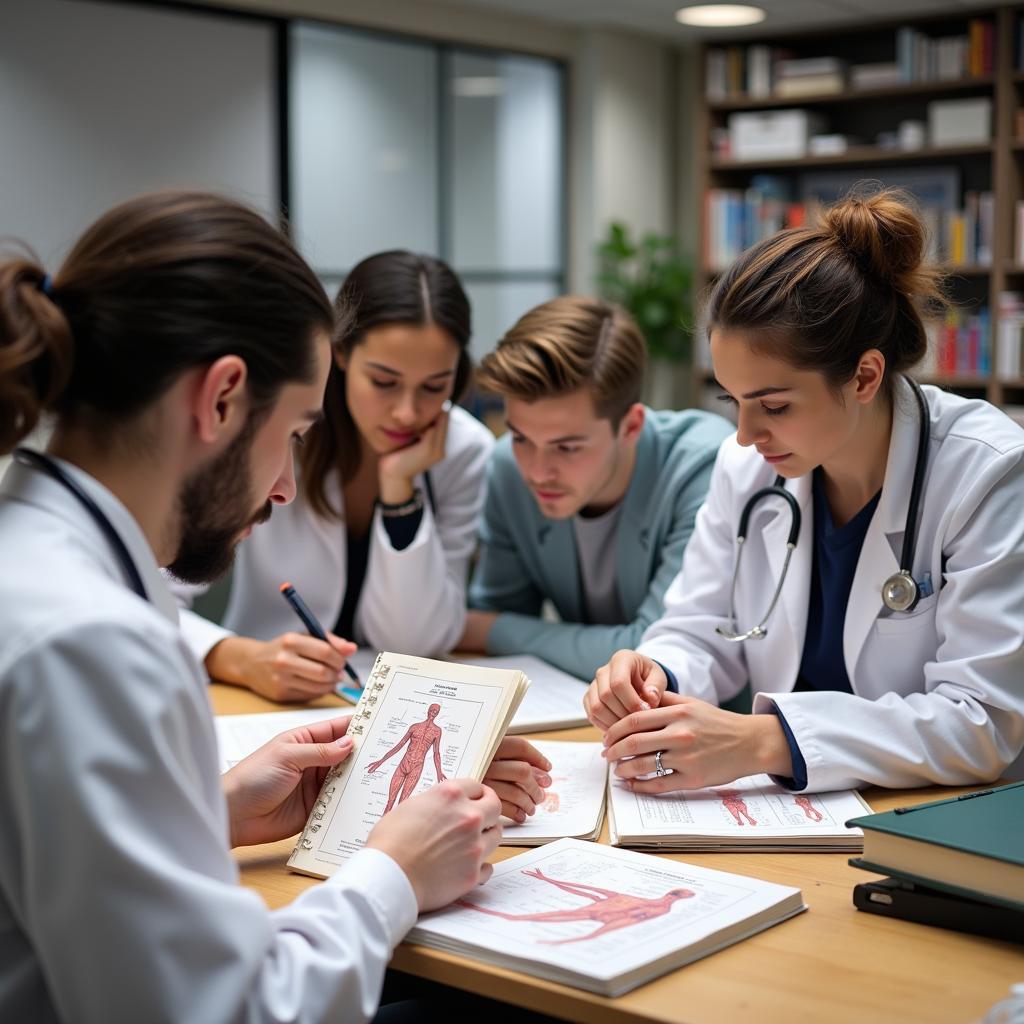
(201, 635)
(385, 886)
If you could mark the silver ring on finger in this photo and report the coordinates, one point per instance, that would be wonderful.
(659, 769)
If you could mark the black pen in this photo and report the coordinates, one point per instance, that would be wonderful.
(313, 627)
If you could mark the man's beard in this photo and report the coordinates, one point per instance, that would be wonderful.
(214, 507)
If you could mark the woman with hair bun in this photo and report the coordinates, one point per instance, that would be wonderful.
(895, 653)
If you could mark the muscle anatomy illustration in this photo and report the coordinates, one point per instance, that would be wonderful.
(420, 736)
(733, 802)
(810, 811)
(611, 910)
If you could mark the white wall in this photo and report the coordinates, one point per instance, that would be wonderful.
(101, 101)
(623, 141)
(108, 99)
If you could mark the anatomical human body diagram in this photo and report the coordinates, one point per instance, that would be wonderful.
(417, 723)
(601, 918)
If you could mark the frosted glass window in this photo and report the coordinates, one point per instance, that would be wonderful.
(363, 127)
(498, 305)
(505, 154)
(99, 102)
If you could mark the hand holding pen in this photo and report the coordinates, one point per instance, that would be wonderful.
(335, 644)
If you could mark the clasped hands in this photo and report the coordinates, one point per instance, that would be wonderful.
(701, 744)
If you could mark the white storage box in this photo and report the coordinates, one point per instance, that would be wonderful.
(960, 122)
(772, 134)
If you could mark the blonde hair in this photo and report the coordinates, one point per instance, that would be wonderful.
(564, 345)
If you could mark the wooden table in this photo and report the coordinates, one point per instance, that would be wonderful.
(831, 965)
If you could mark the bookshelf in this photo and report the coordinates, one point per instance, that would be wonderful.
(862, 84)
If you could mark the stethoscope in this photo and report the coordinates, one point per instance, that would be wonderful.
(53, 469)
(900, 592)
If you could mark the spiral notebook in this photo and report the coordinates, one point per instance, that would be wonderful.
(418, 722)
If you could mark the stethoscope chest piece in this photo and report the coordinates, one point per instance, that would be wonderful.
(900, 592)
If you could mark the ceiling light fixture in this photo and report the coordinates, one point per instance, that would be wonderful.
(720, 15)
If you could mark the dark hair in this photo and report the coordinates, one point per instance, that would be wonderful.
(161, 283)
(819, 297)
(394, 287)
(569, 343)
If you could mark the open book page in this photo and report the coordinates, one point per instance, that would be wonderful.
(554, 700)
(418, 723)
(753, 810)
(587, 914)
(239, 735)
(574, 803)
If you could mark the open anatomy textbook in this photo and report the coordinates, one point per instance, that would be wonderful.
(602, 919)
(749, 814)
(417, 723)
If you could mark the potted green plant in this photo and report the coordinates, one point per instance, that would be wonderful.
(653, 281)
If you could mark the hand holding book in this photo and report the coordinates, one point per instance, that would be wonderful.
(441, 840)
(417, 723)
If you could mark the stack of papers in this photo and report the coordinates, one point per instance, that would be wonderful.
(554, 700)
(748, 814)
(239, 735)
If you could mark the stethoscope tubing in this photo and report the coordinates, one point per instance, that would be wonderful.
(902, 579)
(53, 469)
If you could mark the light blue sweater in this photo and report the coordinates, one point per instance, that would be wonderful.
(526, 557)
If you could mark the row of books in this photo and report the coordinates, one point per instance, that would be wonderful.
(1010, 358)
(735, 219)
(961, 346)
(759, 71)
(923, 59)
(1018, 247)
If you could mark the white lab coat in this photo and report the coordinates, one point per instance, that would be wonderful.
(413, 600)
(119, 898)
(938, 694)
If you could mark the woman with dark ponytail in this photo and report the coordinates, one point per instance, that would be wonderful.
(895, 654)
(391, 487)
(182, 350)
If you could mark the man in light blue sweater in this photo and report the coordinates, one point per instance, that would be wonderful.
(591, 497)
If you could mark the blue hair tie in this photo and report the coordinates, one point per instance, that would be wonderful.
(46, 285)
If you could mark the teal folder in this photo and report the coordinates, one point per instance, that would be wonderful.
(971, 845)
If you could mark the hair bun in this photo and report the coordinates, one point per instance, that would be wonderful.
(35, 350)
(882, 233)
